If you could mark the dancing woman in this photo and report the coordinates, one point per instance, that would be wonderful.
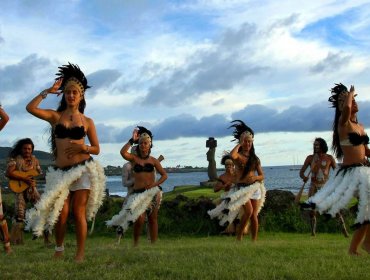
(147, 193)
(249, 194)
(353, 178)
(4, 232)
(76, 181)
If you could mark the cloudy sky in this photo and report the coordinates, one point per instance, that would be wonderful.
(185, 69)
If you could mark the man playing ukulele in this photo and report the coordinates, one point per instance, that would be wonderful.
(22, 166)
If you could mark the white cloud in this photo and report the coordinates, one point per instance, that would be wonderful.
(195, 58)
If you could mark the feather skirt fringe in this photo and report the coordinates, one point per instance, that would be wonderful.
(46, 212)
(137, 204)
(230, 207)
(339, 190)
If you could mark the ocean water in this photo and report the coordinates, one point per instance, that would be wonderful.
(276, 177)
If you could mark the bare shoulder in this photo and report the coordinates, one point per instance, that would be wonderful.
(88, 121)
(308, 158)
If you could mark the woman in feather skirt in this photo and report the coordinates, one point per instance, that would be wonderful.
(147, 193)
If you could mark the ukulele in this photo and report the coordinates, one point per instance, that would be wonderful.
(19, 186)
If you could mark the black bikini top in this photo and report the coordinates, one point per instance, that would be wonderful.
(148, 167)
(356, 139)
(75, 133)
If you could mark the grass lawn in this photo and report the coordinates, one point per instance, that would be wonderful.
(192, 192)
(274, 256)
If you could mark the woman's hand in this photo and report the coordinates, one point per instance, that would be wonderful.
(228, 186)
(250, 180)
(135, 135)
(352, 89)
(55, 87)
(74, 149)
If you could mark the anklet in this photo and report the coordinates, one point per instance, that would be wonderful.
(59, 248)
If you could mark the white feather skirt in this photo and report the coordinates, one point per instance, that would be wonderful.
(340, 189)
(230, 207)
(136, 205)
(46, 212)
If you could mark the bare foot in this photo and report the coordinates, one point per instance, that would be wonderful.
(7, 249)
(366, 248)
(58, 255)
(354, 253)
(79, 259)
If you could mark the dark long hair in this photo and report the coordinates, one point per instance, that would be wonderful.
(17, 148)
(239, 128)
(252, 162)
(333, 99)
(323, 144)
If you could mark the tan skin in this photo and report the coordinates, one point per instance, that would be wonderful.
(70, 152)
(145, 180)
(354, 155)
(240, 159)
(227, 179)
(316, 162)
(4, 118)
(27, 155)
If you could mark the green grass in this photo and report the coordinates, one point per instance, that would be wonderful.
(274, 256)
(191, 192)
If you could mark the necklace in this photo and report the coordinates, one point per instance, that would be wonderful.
(71, 116)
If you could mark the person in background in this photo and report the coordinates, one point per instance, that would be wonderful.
(4, 232)
(128, 183)
(320, 163)
(225, 182)
(146, 196)
(350, 144)
(250, 192)
(77, 181)
(23, 166)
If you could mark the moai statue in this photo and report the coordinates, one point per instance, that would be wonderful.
(211, 143)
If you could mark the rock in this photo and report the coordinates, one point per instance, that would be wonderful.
(278, 200)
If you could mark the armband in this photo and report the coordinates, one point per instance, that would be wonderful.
(44, 93)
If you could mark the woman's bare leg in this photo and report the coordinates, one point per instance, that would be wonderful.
(60, 228)
(366, 243)
(153, 225)
(357, 238)
(79, 202)
(138, 226)
(243, 221)
(254, 219)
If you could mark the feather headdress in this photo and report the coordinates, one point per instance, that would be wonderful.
(338, 95)
(71, 73)
(145, 134)
(239, 128)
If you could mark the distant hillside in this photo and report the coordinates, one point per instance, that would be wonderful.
(43, 157)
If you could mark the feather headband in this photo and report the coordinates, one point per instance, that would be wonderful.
(72, 75)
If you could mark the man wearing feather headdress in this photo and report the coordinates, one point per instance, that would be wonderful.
(77, 181)
(249, 194)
